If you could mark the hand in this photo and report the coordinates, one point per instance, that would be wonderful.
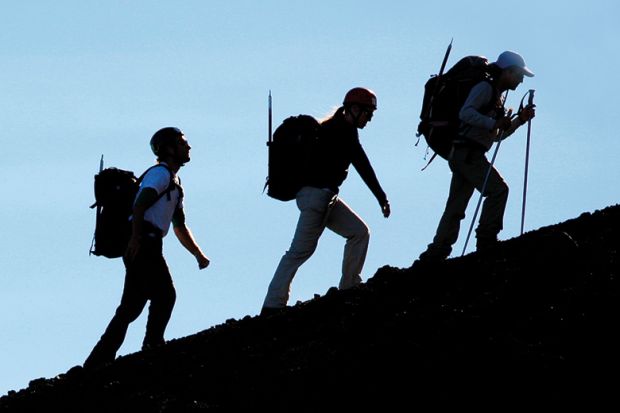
(132, 248)
(527, 113)
(385, 208)
(203, 261)
(503, 123)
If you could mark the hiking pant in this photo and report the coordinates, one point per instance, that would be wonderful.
(147, 278)
(320, 209)
(469, 167)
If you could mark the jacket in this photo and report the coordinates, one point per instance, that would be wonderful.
(338, 148)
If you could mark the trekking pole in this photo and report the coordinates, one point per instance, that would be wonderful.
(484, 185)
(530, 102)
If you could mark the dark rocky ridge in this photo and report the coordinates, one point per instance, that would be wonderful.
(534, 320)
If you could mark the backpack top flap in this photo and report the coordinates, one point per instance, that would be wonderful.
(115, 187)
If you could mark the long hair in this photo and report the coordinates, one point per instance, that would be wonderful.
(336, 111)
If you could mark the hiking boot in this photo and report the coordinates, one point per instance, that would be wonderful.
(269, 311)
(152, 346)
(95, 364)
(431, 257)
(486, 243)
(99, 357)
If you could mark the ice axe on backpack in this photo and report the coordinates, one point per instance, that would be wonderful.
(436, 87)
(445, 58)
(441, 70)
(269, 132)
(98, 209)
(270, 135)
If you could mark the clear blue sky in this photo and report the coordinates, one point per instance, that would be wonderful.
(85, 78)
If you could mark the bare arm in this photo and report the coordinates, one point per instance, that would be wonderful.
(186, 238)
(145, 199)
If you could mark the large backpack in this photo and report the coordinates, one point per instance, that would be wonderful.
(444, 96)
(288, 154)
(115, 192)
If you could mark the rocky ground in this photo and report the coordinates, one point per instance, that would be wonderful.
(533, 321)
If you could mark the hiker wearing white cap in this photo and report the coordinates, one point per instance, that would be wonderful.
(483, 122)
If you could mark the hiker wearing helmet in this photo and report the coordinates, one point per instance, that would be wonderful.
(321, 207)
(158, 203)
(483, 122)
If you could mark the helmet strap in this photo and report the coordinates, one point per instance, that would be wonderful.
(356, 118)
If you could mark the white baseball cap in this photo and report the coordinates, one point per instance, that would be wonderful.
(512, 59)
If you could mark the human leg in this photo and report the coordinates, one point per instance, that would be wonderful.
(482, 175)
(163, 296)
(313, 206)
(449, 225)
(493, 208)
(345, 222)
(132, 303)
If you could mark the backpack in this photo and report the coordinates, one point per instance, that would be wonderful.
(444, 96)
(288, 153)
(115, 192)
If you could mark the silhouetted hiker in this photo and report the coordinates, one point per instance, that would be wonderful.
(483, 121)
(320, 206)
(147, 276)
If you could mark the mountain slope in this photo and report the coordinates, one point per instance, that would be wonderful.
(533, 320)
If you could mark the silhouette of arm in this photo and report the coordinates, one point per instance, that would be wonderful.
(186, 238)
(145, 199)
(362, 165)
(479, 97)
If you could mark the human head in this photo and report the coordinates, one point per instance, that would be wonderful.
(360, 96)
(165, 144)
(513, 69)
(514, 61)
(360, 103)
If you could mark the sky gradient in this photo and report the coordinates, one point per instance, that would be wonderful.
(84, 78)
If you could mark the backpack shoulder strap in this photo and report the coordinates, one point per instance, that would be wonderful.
(171, 185)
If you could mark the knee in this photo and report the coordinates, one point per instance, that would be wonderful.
(301, 253)
(168, 297)
(171, 297)
(503, 191)
(362, 234)
(366, 233)
(500, 190)
(128, 313)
